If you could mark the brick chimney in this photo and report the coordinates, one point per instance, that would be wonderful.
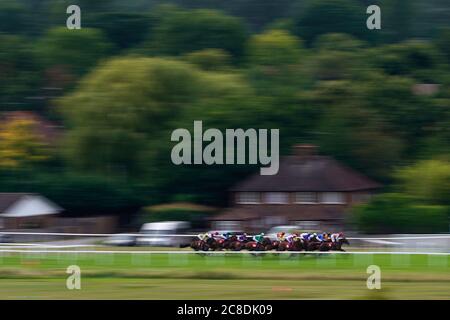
(304, 150)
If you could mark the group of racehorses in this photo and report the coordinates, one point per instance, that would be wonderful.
(236, 243)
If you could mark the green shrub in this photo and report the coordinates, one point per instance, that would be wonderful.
(209, 59)
(427, 180)
(397, 213)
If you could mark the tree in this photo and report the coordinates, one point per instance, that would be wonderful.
(354, 133)
(412, 117)
(80, 194)
(183, 31)
(427, 180)
(210, 59)
(13, 18)
(20, 146)
(275, 65)
(19, 74)
(338, 42)
(398, 19)
(333, 65)
(337, 56)
(418, 59)
(399, 213)
(325, 16)
(274, 48)
(121, 117)
(257, 13)
(442, 42)
(124, 30)
(76, 51)
(120, 109)
(276, 61)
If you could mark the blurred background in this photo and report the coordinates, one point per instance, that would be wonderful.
(86, 115)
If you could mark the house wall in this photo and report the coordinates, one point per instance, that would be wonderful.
(256, 226)
(350, 198)
(34, 222)
(308, 221)
(52, 223)
(100, 224)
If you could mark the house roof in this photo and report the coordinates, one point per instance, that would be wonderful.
(8, 199)
(290, 212)
(26, 205)
(308, 173)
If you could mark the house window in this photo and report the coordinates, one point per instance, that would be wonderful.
(305, 197)
(248, 197)
(276, 197)
(332, 198)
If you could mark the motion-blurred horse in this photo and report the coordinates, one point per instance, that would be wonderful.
(334, 246)
(296, 245)
(264, 245)
(204, 245)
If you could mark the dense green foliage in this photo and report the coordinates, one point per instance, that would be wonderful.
(396, 213)
(428, 181)
(182, 31)
(79, 194)
(77, 51)
(421, 207)
(320, 17)
(137, 70)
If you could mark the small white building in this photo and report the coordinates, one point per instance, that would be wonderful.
(26, 210)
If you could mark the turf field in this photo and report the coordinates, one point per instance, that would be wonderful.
(240, 276)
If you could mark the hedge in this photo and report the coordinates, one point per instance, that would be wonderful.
(397, 213)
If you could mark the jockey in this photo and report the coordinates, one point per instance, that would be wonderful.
(204, 236)
(291, 238)
(259, 237)
(215, 234)
(226, 235)
(281, 236)
(326, 236)
(242, 237)
(336, 236)
(320, 237)
(312, 236)
(305, 235)
(315, 236)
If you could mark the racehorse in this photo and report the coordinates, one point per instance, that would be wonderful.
(238, 245)
(228, 243)
(299, 244)
(204, 245)
(337, 246)
(264, 245)
(312, 244)
(334, 246)
(225, 243)
(276, 245)
(296, 245)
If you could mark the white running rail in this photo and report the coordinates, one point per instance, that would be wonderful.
(444, 236)
(220, 252)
